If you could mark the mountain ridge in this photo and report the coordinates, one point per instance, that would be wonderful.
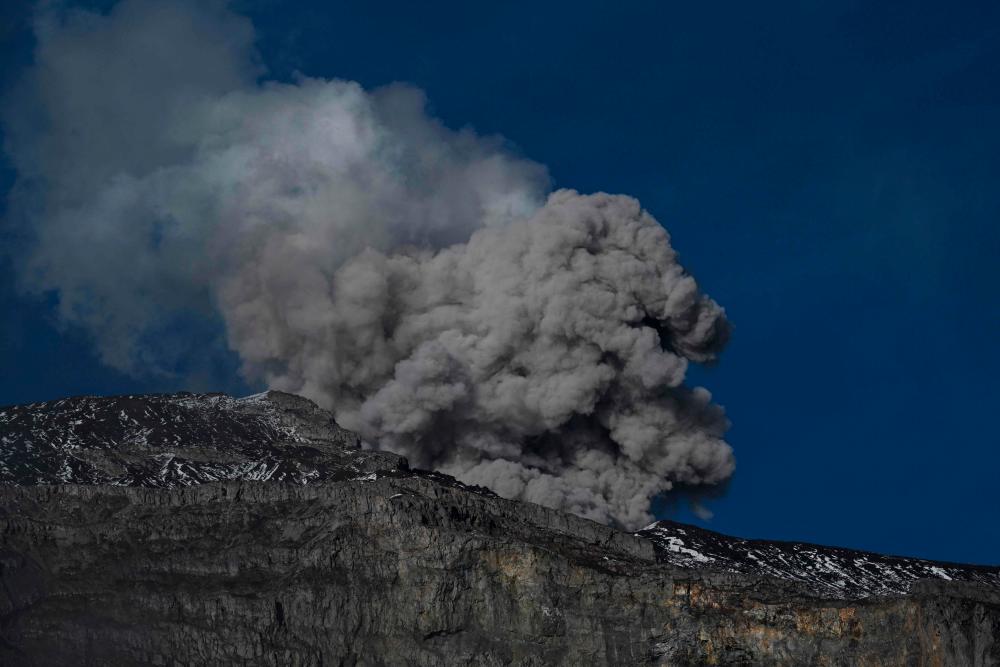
(273, 505)
(262, 444)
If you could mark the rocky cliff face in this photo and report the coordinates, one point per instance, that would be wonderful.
(196, 529)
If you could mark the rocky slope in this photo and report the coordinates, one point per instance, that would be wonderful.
(201, 529)
(826, 572)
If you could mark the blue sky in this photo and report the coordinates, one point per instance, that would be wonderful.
(827, 170)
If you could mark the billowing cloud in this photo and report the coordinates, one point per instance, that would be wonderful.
(419, 281)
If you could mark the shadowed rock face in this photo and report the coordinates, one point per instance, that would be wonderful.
(196, 529)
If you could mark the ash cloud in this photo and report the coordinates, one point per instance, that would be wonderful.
(421, 282)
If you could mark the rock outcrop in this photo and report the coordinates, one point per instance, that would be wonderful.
(194, 529)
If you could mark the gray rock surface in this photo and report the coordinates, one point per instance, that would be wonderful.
(113, 553)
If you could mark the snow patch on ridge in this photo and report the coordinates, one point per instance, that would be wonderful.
(829, 572)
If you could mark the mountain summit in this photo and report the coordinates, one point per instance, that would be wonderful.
(205, 529)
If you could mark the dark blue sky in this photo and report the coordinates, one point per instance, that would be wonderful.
(829, 172)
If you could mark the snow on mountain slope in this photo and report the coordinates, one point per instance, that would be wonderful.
(829, 572)
(178, 440)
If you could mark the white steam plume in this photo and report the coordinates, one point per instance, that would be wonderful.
(416, 280)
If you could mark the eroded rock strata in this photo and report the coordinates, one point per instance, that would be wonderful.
(197, 529)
